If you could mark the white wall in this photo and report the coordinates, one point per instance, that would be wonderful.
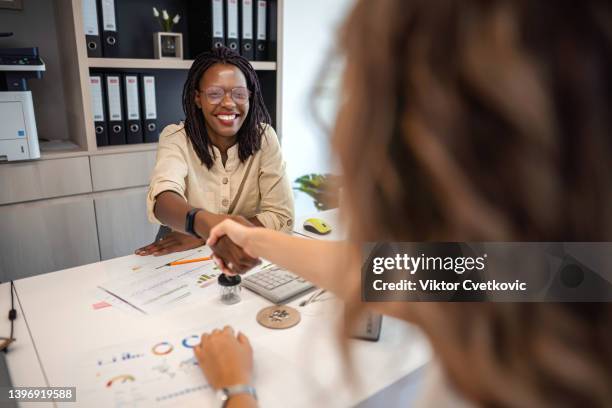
(309, 30)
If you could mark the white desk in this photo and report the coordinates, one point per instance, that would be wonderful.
(304, 368)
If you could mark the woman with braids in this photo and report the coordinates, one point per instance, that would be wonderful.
(223, 162)
(467, 120)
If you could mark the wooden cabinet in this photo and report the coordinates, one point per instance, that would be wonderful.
(122, 222)
(114, 171)
(36, 180)
(46, 236)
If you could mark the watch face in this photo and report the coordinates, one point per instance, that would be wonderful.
(222, 395)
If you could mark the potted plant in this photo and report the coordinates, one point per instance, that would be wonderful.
(166, 43)
(323, 188)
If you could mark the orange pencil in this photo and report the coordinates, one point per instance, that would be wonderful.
(186, 261)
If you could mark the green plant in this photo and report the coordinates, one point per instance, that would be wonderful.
(323, 188)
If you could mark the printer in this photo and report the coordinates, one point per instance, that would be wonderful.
(18, 135)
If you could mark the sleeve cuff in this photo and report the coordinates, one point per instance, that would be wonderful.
(154, 191)
(275, 221)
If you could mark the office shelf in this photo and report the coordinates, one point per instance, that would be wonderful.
(140, 63)
(128, 148)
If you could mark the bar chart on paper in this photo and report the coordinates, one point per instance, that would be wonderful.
(152, 284)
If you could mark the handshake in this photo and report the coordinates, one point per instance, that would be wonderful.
(231, 256)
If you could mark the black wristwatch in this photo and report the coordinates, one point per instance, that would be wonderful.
(190, 220)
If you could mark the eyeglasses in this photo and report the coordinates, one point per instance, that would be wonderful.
(5, 342)
(215, 94)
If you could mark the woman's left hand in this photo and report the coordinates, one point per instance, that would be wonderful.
(225, 359)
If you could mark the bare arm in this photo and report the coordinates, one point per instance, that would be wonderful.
(171, 209)
(335, 266)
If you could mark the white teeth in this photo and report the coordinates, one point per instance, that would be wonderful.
(227, 117)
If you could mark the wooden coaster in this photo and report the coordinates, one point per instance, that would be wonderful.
(278, 317)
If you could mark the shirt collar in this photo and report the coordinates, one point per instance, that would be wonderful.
(232, 158)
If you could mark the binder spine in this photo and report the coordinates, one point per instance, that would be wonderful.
(116, 127)
(91, 28)
(149, 108)
(232, 25)
(110, 34)
(97, 107)
(261, 28)
(246, 29)
(132, 109)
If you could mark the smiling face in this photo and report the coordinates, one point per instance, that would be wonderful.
(225, 117)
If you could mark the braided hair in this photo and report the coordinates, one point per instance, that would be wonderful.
(250, 134)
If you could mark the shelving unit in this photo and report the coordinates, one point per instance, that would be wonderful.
(80, 196)
(139, 63)
(77, 66)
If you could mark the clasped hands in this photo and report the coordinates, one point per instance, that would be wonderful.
(230, 256)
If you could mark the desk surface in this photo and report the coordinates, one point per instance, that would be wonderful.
(303, 364)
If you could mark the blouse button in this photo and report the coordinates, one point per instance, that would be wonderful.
(225, 202)
(225, 180)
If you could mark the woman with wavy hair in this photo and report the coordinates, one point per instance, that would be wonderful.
(224, 161)
(470, 120)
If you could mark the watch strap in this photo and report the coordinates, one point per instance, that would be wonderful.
(237, 390)
(189, 222)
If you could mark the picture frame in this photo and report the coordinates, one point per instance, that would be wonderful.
(168, 45)
(11, 4)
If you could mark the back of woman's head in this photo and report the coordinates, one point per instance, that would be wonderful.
(488, 120)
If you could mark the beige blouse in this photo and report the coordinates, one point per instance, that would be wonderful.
(266, 193)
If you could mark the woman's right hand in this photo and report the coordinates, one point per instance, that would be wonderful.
(173, 242)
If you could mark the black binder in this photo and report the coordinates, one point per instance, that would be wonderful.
(148, 103)
(246, 29)
(97, 106)
(261, 30)
(131, 103)
(206, 25)
(92, 31)
(116, 127)
(231, 25)
(110, 35)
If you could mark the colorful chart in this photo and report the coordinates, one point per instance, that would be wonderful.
(124, 357)
(161, 349)
(207, 279)
(191, 341)
(121, 379)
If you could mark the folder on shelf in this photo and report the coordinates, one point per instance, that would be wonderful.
(206, 25)
(110, 37)
(261, 28)
(90, 26)
(246, 29)
(232, 25)
(133, 129)
(149, 108)
(97, 107)
(116, 128)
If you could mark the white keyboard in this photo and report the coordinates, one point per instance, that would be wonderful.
(276, 284)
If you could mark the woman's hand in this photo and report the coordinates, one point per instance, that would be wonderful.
(239, 234)
(173, 242)
(225, 359)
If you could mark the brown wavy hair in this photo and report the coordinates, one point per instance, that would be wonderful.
(487, 120)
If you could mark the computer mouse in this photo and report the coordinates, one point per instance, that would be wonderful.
(317, 226)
